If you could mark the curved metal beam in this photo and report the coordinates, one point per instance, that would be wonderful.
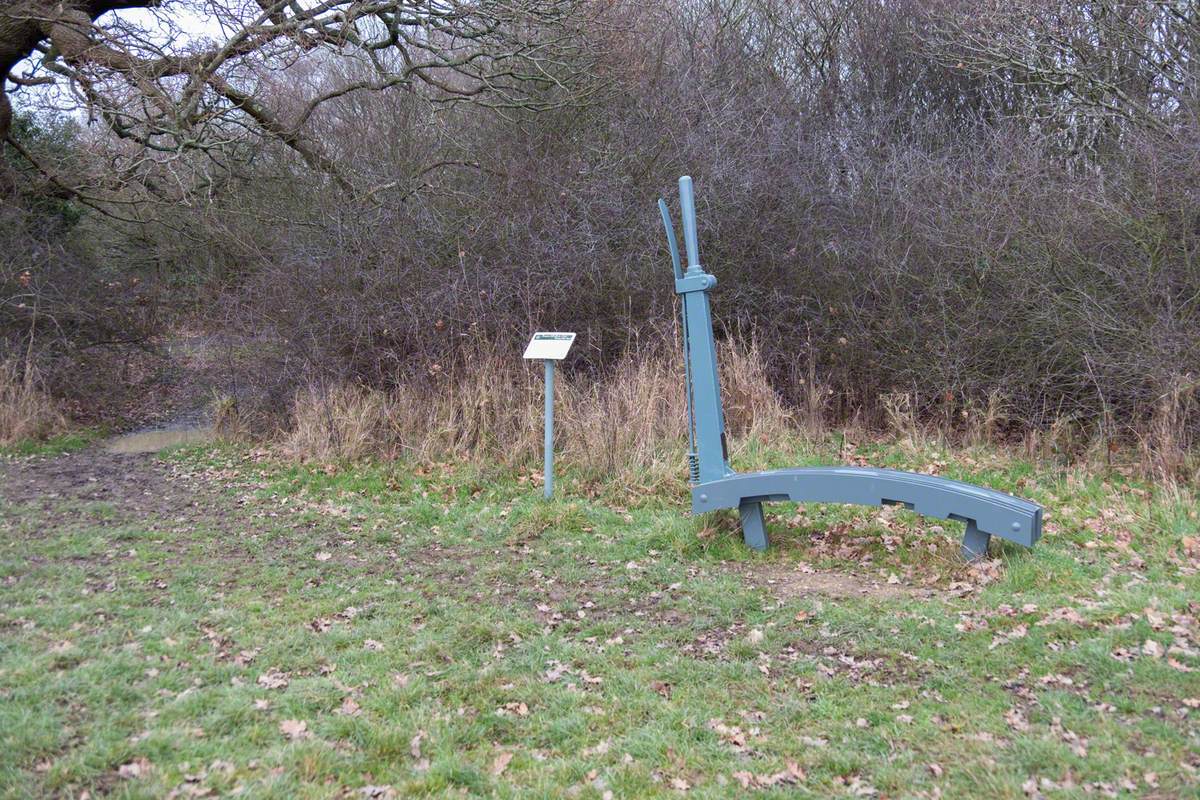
(986, 512)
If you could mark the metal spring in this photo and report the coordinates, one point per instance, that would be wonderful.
(694, 466)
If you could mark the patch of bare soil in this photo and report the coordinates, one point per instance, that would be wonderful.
(788, 582)
(121, 481)
(65, 489)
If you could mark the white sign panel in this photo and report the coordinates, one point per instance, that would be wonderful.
(549, 345)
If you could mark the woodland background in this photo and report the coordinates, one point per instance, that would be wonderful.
(933, 212)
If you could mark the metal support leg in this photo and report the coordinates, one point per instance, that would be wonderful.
(548, 460)
(975, 542)
(754, 529)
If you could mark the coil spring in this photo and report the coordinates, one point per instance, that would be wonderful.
(694, 467)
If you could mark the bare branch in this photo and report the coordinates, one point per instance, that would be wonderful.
(171, 96)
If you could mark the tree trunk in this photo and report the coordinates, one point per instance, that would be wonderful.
(24, 23)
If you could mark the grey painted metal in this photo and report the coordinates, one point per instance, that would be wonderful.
(754, 527)
(975, 542)
(992, 513)
(712, 461)
(673, 245)
(715, 485)
(548, 462)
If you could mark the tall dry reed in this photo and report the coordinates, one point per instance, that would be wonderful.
(26, 412)
(489, 407)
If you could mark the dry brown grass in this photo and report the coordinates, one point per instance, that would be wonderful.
(26, 412)
(489, 407)
(340, 422)
(628, 426)
(1167, 448)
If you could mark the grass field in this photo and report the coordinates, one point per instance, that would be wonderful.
(215, 622)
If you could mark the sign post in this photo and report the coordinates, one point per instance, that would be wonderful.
(548, 446)
(549, 347)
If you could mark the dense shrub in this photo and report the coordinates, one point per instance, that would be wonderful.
(898, 200)
(941, 250)
(69, 312)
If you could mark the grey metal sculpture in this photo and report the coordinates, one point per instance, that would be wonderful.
(715, 485)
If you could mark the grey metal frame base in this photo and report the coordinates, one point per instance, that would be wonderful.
(985, 512)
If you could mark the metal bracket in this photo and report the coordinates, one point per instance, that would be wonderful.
(695, 283)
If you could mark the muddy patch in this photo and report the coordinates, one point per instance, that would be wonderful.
(153, 441)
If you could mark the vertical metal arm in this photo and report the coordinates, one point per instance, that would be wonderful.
(701, 350)
(673, 245)
(711, 459)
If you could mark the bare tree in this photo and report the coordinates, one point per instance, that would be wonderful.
(1091, 69)
(172, 92)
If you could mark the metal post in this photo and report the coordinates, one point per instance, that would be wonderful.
(704, 388)
(548, 466)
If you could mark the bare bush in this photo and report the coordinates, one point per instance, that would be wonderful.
(338, 423)
(78, 319)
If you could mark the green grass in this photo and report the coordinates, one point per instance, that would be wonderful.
(443, 631)
(70, 442)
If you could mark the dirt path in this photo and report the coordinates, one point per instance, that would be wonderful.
(65, 489)
(190, 371)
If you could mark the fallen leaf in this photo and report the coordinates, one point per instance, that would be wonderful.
(294, 729)
(501, 763)
(520, 709)
(414, 744)
(273, 679)
(1016, 720)
(730, 734)
(323, 556)
(134, 769)
(378, 792)
(350, 708)
(1065, 614)
(788, 777)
